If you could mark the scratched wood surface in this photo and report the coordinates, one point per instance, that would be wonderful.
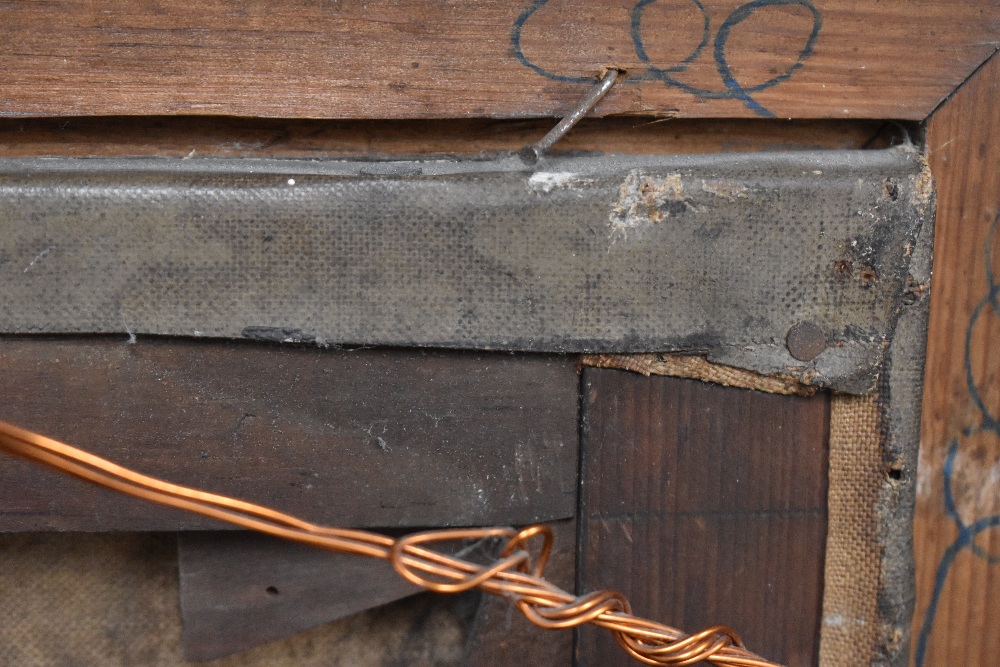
(348, 438)
(704, 505)
(422, 59)
(958, 493)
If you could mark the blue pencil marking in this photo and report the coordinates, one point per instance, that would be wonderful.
(640, 47)
(733, 90)
(515, 44)
(967, 534)
(990, 422)
(741, 14)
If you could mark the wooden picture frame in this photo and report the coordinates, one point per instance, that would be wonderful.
(411, 78)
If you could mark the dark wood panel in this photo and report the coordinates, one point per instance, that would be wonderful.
(704, 505)
(382, 59)
(360, 438)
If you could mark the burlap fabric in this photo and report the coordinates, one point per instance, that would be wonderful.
(851, 572)
(110, 600)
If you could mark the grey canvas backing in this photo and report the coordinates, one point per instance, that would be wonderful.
(711, 254)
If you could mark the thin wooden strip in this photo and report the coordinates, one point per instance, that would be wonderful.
(194, 136)
(240, 590)
(383, 59)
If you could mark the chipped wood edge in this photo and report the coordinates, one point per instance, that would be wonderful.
(695, 367)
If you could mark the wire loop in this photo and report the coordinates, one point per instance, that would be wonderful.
(520, 540)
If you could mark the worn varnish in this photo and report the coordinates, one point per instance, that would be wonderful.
(347, 438)
(417, 59)
(958, 492)
(704, 505)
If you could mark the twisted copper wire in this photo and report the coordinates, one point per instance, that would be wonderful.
(515, 575)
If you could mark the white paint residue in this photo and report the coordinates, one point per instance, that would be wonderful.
(38, 257)
(382, 426)
(730, 190)
(839, 621)
(547, 181)
(648, 199)
(927, 472)
(975, 477)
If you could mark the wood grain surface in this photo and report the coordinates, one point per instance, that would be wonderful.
(423, 59)
(704, 505)
(347, 438)
(958, 492)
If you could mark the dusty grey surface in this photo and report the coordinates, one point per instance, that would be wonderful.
(901, 391)
(111, 601)
(713, 254)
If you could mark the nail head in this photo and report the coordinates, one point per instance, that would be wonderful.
(805, 341)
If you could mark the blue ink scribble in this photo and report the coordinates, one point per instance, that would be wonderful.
(967, 533)
(733, 89)
(515, 43)
(734, 19)
(640, 48)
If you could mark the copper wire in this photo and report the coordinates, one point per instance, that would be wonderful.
(516, 575)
